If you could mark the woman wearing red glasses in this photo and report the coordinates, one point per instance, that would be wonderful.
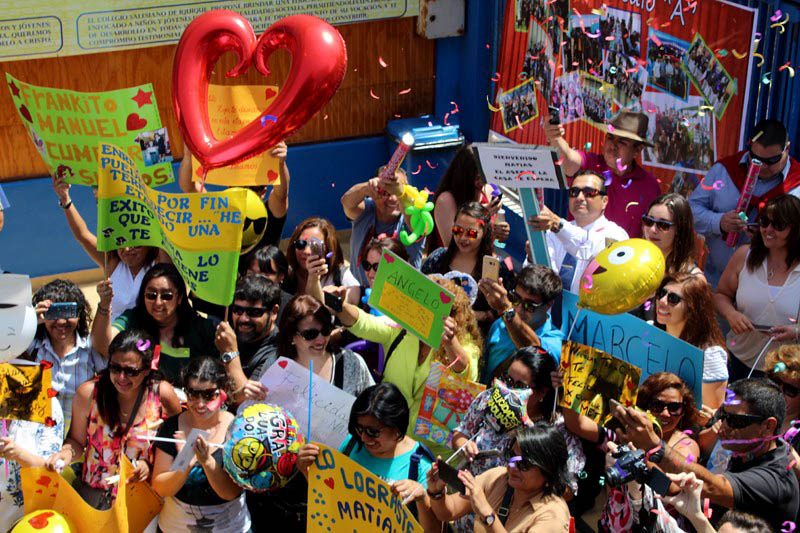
(763, 279)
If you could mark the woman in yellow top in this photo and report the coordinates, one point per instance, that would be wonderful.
(408, 360)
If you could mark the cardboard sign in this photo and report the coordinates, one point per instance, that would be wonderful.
(230, 108)
(25, 392)
(520, 166)
(592, 378)
(287, 382)
(202, 233)
(635, 341)
(408, 297)
(67, 126)
(344, 496)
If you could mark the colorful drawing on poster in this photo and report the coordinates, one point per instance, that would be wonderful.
(539, 63)
(621, 32)
(598, 101)
(709, 76)
(568, 97)
(592, 378)
(445, 400)
(584, 48)
(518, 106)
(345, 496)
(665, 58)
(156, 147)
(411, 299)
(628, 78)
(683, 133)
(25, 391)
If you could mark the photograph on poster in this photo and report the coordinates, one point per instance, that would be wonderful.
(598, 101)
(628, 78)
(683, 133)
(665, 57)
(539, 63)
(568, 97)
(518, 106)
(584, 49)
(625, 28)
(709, 76)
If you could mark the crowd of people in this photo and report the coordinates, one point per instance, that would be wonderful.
(153, 360)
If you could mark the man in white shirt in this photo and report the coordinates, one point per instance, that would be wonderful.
(573, 244)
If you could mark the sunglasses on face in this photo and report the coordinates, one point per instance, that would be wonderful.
(370, 266)
(372, 433)
(312, 333)
(768, 161)
(588, 192)
(527, 305)
(673, 408)
(738, 421)
(207, 395)
(673, 298)
(252, 312)
(520, 463)
(788, 390)
(166, 296)
(777, 225)
(660, 223)
(513, 383)
(458, 231)
(129, 371)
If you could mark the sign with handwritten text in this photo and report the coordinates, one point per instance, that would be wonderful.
(202, 233)
(66, 128)
(24, 392)
(230, 108)
(408, 297)
(287, 382)
(520, 166)
(344, 496)
(635, 341)
(592, 378)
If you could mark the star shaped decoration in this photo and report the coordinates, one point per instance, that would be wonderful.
(14, 88)
(142, 98)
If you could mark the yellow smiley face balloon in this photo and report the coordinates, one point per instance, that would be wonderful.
(621, 277)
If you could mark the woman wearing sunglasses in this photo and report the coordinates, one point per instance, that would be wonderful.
(202, 495)
(759, 292)
(525, 495)
(163, 311)
(114, 414)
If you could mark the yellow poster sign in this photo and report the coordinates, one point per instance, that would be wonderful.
(25, 392)
(344, 496)
(230, 108)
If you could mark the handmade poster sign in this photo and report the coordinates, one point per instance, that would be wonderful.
(135, 506)
(635, 341)
(287, 382)
(592, 378)
(67, 126)
(409, 298)
(25, 391)
(445, 400)
(202, 233)
(230, 108)
(519, 166)
(344, 496)
(16, 315)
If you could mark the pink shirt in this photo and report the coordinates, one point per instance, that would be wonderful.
(628, 195)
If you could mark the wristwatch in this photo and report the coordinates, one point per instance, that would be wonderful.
(489, 520)
(509, 314)
(227, 357)
(560, 225)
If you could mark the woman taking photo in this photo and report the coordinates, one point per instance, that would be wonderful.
(113, 415)
(529, 490)
(164, 313)
(763, 279)
(202, 495)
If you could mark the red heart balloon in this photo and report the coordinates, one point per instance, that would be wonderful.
(319, 62)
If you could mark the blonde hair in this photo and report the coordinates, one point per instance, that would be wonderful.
(789, 355)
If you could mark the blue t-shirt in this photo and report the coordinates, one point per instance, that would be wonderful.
(389, 470)
(500, 347)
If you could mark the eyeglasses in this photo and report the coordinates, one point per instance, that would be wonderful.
(207, 395)
(788, 390)
(767, 160)
(513, 383)
(129, 371)
(457, 230)
(739, 421)
(520, 463)
(527, 305)
(588, 192)
(663, 225)
(166, 296)
(370, 266)
(372, 433)
(673, 408)
(312, 333)
(777, 225)
(252, 312)
(673, 298)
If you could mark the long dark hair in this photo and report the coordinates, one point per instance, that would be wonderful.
(543, 445)
(63, 291)
(682, 257)
(701, 328)
(296, 310)
(786, 209)
(474, 210)
(130, 340)
(185, 312)
(208, 369)
(386, 403)
(541, 364)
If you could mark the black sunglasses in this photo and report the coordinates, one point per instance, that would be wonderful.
(129, 371)
(739, 421)
(370, 266)
(513, 383)
(766, 160)
(206, 394)
(252, 312)
(673, 298)
(527, 305)
(673, 408)
(588, 192)
(166, 296)
(312, 333)
(663, 225)
(777, 225)
(788, 390)
(368, 431)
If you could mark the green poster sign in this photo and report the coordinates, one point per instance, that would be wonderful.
(67, 128)
(408, 297)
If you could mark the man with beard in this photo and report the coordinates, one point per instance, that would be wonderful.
(524, 317)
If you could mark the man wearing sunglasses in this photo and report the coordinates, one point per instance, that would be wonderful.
(630, 187)
(715, 199)
(758, 479)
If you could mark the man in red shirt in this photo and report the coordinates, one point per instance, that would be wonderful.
(630, 187)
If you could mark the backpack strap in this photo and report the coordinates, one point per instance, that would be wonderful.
(502, 511)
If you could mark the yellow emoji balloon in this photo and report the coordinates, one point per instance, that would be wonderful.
(621, 277)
